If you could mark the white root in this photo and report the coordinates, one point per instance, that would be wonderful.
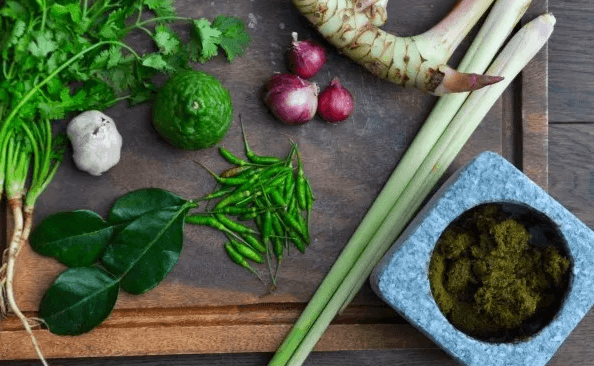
(7, 293)
(418, 61)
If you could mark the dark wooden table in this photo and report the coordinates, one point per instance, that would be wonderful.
(571, 182)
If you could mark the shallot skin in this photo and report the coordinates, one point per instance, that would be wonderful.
(335, 102)
(306, 58)
(293, 100)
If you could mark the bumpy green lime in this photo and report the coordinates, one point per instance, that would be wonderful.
(192, 110)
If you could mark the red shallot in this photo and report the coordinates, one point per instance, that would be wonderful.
(335, 102)
(306, 57)
(291, 99)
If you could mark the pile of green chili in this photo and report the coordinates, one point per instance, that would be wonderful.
(269, 191)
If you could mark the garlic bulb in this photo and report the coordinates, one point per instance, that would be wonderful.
(96, 142)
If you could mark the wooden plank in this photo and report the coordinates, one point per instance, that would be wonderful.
(227, 338)
(572, 168)
(570, 67)
(534, 99)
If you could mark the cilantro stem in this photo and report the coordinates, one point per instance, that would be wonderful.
(18, 156)
(85, 5)
(146, 30)
(4, 69)
(36, 158)
(9, 75)
(157, 19)
(140, 7)
(43, 15)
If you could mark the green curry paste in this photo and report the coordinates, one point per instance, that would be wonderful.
(487, 279)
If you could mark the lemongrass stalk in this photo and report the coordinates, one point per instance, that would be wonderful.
(514, 57)
(498, 25)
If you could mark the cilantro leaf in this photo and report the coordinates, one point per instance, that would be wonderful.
(62, 11)
(114, 25)
(162, 8)
(234, 40)
(115, 56)
(17, 32)
(100, 61)
(42, 45)
(156, 61)
(166, 39)
(207, 39)
(51, 110)
(14, 10)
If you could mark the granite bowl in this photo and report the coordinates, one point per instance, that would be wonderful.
(401, 278)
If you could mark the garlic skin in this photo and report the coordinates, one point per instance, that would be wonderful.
(96, 142)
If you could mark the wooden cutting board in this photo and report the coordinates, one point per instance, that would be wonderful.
(207, 304)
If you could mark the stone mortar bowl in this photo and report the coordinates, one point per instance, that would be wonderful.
(401, 278)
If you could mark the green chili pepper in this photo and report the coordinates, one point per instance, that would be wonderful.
(234, 197)
(234, 226)
(206, 220)
(267, 227)
(289, 185)
(237, 171)
(227, 155)
(300, 184)
(237, 210)
(256, 159)
(309, 196)
(297, 241)
(246, 251)
(231, 181)
(248, 216)
(274, 171)
(277, 248)
(277, 225)
(240, 260)
(217, 194)
(254, 242)
(302, 224)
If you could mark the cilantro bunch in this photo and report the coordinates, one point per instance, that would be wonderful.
(64, 56)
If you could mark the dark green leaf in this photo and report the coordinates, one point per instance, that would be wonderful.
(120, 77)
(207, 37)
(141, 95)
(146, 250)
(166, 39)
(63, 12)
(75, 238)
(234, 39)
(79, 300)
(14, 10)
(141, 201)
(43, 44)
(162, 8)
(17, 32)
(156, 61)
(51, 110)
(101, 60)
(113, 27)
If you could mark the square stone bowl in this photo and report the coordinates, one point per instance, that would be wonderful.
(401, 278)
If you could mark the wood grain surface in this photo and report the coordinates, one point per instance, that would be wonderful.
(197, 299)
(534, 109)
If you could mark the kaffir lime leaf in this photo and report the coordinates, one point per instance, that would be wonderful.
(192, 110)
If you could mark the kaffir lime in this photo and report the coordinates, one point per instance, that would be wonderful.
(192, 110)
